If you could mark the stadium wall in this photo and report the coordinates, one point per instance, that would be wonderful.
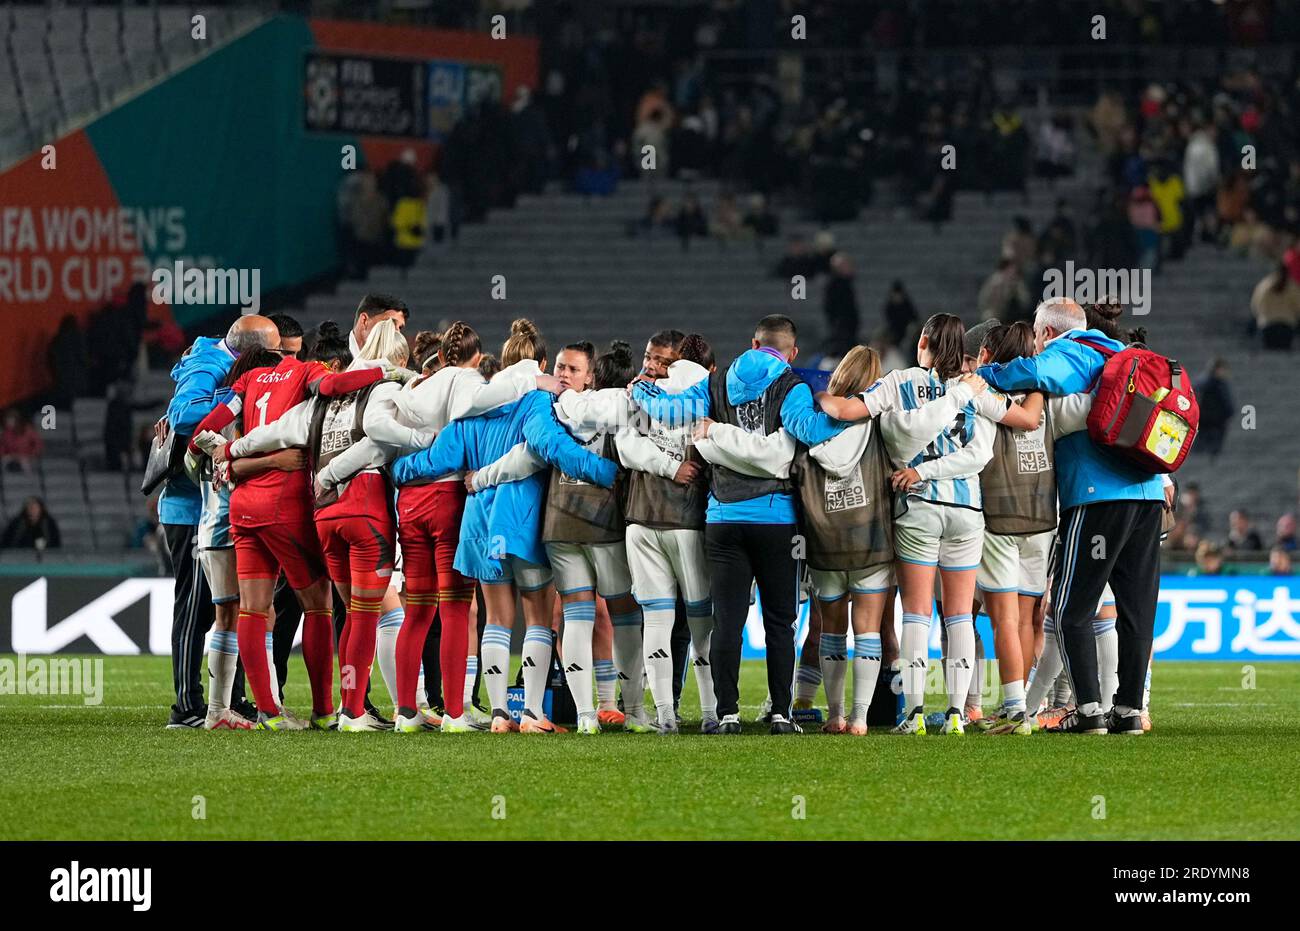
(215, 167)
(1246, 619)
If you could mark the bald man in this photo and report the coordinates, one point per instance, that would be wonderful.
(198, 375)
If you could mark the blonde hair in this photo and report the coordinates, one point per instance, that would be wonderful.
(859, 369)
(386, 342)
(525, 342)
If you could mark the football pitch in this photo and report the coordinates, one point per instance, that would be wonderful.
(1219, 764)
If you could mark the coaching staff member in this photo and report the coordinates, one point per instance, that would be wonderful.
(1109, 529)
(198, 375)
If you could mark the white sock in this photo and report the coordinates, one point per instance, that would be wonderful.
(421, 693)
(975, 692)
(471, 674)
(657, 651)
(866, 673)
(834, 655)
(1043, 676)
(386, 649)
(1013, 697)
(699, 617)
(223, 657)
(537, 668)
(579, 624)
(606, 682)
(960, 661)
(1146, 690)
(496, 664)
(914, 648)
(628, 659)
(1062, 692)
(1107, 659)
(270, 667)
(806, 681)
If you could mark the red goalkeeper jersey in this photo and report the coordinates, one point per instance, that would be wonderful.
(264, 395)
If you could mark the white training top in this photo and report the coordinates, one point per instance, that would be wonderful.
(950, 464)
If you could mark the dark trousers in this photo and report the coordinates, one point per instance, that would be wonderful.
(680, 644)
(1117, 541)
(192, 617)
(739, 554)
(288, 618)
(431, 659)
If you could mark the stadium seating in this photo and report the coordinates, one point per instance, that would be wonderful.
(69, 63)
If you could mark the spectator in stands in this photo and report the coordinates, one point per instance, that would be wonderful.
(1241, 535)
(1284, 535)
(1190, 522)
(1166, 187)
(1019, 244)
(1144, 218)
(147, 535)
(1214, 394)
(1003, 295)
(1209, 560)
(408, 227)
(1279, 561)
(118, 434)
(1107, 120)
(690, 221)
(1275, 306)
(760, 218)
(1201, 177)
(1059, 239)
(69, 363)
(528, 123)
(900, 315)
(438, 210)
(20, 442)
(1055, 148)
(840, 306)
(727, 223)
(367, 224)
(32, 529)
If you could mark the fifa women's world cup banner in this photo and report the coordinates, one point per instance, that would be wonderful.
(1247, 619)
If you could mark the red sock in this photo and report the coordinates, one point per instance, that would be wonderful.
(453, 607)
(347, 680)
(363, 621)
(318, 654)
(421, 606)
(250, 631)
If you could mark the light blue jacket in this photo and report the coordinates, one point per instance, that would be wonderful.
(1085, 473)
(505, 520)
(747, 378)
(198, 375)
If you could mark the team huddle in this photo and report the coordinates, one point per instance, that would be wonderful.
(420, 480)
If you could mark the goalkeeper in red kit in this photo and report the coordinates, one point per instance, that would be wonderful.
(271, 520)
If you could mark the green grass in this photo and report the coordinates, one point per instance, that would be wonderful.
(1221, 763)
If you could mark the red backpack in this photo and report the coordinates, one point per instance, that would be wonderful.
(1144, 408)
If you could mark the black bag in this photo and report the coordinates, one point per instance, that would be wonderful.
(165, 460)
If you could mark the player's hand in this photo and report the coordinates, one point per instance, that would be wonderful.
(469, 481)
(398, 374)
(702, 428)
(160, 430)
(220, 454)
(687, 472)
(1171, 497)
(549, 383)
(320, 489)
(904, 478)
(221, 474)
(976, 384)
